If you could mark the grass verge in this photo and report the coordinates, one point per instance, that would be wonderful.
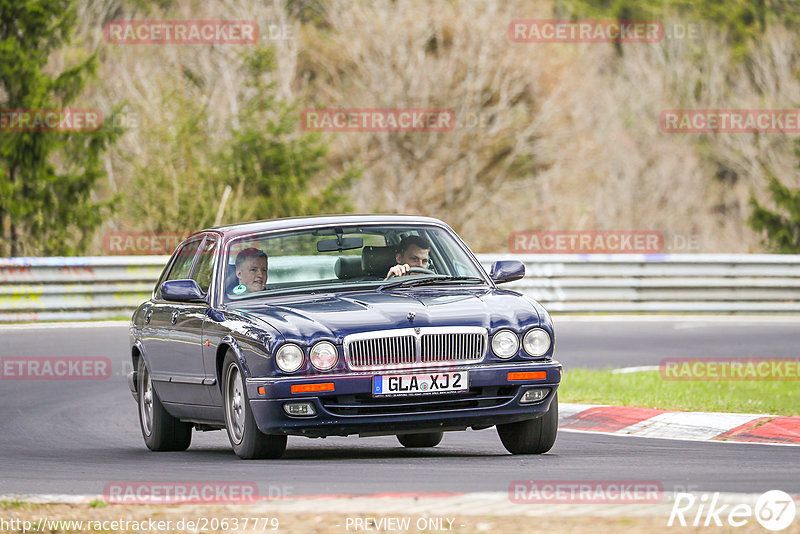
(646, 389)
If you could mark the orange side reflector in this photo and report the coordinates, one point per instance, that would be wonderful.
(535, 375)
(262, 390)
(309, 388)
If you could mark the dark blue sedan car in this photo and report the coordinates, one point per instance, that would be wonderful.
(338, 325)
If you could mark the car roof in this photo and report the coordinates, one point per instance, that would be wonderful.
(288, 223)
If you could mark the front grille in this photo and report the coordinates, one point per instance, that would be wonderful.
(384, 351)
(442, 347)
(356, 405)
(415, 347)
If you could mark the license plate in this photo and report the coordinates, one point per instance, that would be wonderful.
(418, 384)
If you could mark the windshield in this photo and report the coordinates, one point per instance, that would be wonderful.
(344, 258)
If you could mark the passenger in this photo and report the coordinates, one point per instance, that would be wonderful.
(412, 251)
(251, 270)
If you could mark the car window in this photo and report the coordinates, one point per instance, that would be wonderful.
(312, 259)
(456, 262)
(294, 257)
(204, 269)
(184, 260)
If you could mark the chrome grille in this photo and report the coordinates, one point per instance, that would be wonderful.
(395, 350)
(455, 346)
(415, 347)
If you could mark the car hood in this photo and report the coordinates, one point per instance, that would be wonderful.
(307, 318)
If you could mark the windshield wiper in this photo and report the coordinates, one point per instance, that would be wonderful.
(429, 280)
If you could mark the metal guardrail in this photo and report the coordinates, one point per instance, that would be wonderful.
(658, 283)
(46, 289)
(62, 289)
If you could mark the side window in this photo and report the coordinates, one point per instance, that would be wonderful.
(183, 263)
(205, 265)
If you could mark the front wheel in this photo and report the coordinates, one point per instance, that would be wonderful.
(423, 439)
(160, 430)
(534, 436)
(247, 440)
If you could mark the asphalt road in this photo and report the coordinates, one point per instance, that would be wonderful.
(620, 342)
(75, 437)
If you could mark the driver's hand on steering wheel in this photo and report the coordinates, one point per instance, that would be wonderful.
(398, 270)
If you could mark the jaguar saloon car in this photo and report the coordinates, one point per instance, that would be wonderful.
(340, 325)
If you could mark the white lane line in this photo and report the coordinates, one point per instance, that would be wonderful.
(675, 438)
(637, 369)
(74, 324)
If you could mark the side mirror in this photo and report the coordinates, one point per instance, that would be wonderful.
(181, 291)
(507, 271)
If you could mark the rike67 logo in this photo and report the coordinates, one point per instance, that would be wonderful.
(774, 510)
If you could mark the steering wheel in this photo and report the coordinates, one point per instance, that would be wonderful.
(414, 270)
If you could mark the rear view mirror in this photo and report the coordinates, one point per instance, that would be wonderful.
(339, 244)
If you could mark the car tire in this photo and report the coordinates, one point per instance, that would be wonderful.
(160, 430)
(533, 436)
(423, 439)
(247, 440)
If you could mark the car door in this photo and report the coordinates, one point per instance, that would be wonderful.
(188, 331)
(171, 366)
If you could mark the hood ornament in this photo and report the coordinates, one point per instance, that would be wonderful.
(411, 316)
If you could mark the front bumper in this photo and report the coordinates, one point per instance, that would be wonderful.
(352, 409)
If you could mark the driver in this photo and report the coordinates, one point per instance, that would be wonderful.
(411, 252)
(251, 270)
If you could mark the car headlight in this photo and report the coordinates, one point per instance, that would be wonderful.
(505, 344)
(536, 342)
(289, 357)
(323, 355)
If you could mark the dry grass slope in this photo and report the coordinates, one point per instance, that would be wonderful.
(548, 136)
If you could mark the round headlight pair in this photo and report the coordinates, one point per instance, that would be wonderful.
(536, 342)
(323, 356)
(505, 343)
